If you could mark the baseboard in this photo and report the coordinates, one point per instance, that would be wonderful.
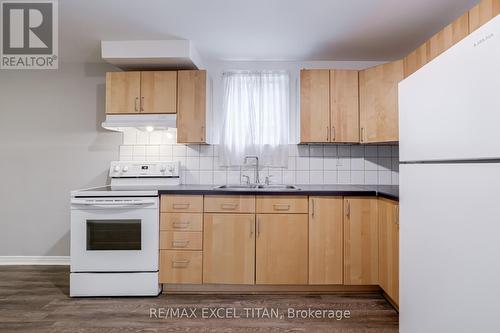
(34, 260)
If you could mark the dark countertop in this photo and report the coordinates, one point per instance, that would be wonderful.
(385, 191)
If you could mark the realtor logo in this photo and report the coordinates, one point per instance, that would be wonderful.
(29, 35)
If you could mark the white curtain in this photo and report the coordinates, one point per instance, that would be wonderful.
(256, 117)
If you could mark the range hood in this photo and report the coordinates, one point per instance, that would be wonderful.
(143, 122)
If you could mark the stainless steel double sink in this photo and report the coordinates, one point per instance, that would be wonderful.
(257, 187)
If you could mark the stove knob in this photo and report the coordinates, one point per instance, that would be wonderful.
(171, 168)
(116, 168)
(125, 168)
(163, 168)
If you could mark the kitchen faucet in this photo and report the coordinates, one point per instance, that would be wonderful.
(257, 181)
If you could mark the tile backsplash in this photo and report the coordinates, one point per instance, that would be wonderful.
(307, 164)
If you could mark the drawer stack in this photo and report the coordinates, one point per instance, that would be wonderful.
(181, 239)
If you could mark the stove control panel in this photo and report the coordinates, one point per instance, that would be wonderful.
(140, 169)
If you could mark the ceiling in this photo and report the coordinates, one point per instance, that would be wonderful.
(259, 30)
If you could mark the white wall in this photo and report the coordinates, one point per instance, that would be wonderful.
(51, 142)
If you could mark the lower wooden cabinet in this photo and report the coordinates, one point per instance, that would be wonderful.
(229, 248)
(388, 234)
(325, 240)
(281, 249)
(180, 266)
(360, 241)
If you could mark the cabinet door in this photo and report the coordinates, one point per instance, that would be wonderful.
(482, 13)
(325, 240)
(159, 92)
(191, 99)
(415, 60)
(229, 248)
(378, 96)
(344, 106)
(388, 231)
(123, 91)
(281, 249)
(360, 241)
(449, 36)
(314, 105)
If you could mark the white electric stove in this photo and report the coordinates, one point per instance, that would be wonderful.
(115, 231)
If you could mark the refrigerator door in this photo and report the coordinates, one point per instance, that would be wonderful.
(449, 247)
(450, 108)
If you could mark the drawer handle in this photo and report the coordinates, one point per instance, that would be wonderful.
(281, 207)
(181, 205)
(229, 206)
(181, 224)
(180, 243)
(180, 263)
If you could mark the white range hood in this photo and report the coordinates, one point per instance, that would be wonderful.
(142, 122)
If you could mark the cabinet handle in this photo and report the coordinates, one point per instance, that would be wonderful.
(258, 227)
(180, 205)
(135, 104)
(252, 226)
(281, 207)
(333, 133)
(348, 208)
(312, 207)
(142, 104)
(362, 134)
(396, 218)
(180, 263)
(181, 224)
(229, 206)
(180, 243)
(327, 134)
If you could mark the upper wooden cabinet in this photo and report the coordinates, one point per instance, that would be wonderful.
(388, 248)
(344, 106)
(123, 92)
(141, 92)
(437, 44)
(449, 36)
(329, 109)
(482, 13)
(378, 98)
(229, 248)
(281, 249)
(314, 105)
(360, 241)
(325, 240)
(158, 92)
(191, 99)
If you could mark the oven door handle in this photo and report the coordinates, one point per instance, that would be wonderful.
(112, 205)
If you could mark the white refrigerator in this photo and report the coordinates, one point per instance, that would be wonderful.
(450, 189)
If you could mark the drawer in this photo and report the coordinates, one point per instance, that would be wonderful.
(181, 203)
(181, 240)
(282, 204)
(229, 204)
(181, 221)
(181, 266)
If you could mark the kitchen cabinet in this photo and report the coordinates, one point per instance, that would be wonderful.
(437, 44)
(360, 241)
(158, 92)
(184, 267)
(482, 13)
(325, 240)
(378, 101)
(281, 249)
(329, 108)
(229, 248)
(229, 204)
(344, 106)
(141, 92)
(449, 36)
(123, 92)
(314, 105)
(191, 85)
(388, 231)
(282, 204)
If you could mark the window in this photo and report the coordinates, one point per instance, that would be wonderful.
(256, 117)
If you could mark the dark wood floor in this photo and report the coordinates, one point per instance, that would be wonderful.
(35, 299)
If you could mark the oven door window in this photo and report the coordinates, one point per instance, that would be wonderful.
(113, 235)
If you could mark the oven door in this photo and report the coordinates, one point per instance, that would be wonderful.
(114, 234)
